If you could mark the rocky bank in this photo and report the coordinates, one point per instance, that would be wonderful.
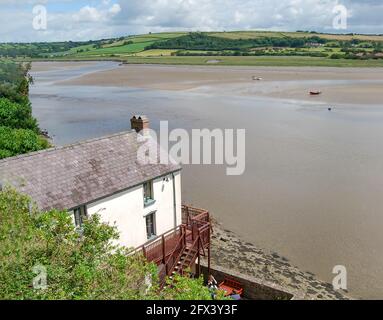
(231, 252)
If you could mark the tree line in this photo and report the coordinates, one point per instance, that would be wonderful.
(201, 41)
(39, 49)
(201, 44)
(19, 130)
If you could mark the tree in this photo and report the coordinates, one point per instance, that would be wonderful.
(14, 81)
(186, 288)
(19, 131)
(19, 141)
(79, 265)
(70, 263)
(17, 115)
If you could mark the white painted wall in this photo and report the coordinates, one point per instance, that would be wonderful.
(126, 210)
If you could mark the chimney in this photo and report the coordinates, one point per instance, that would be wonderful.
(139, 123)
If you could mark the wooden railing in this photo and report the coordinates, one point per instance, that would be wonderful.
(166, 251)
(191, 256)
(197, 221)
(189, 213)
(160, 248)
(205, 236)
(174, 257)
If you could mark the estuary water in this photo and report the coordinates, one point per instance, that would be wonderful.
(313, 185)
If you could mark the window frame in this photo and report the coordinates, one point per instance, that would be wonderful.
(148, 200)
(80, 213)
(153, 224)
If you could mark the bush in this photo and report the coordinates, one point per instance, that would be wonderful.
(336, 56)
(19, 141)
(19, 132)
(79, 265)
(202, 41)
(16, 115)
(186, 288)
(14, 81)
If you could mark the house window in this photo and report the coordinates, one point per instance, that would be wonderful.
(79, 215)
(151, 225)
(148, 193)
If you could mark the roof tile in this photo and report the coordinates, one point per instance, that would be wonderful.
(81, 173)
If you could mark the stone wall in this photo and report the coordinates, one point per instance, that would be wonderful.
(254, 289)
(231, 252)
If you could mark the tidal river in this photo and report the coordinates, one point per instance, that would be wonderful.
(313, 185)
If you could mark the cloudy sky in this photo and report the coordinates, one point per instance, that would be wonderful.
(95, 19)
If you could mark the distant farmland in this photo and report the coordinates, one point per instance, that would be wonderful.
(227, 48)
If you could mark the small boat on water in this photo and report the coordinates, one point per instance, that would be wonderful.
(315, 93)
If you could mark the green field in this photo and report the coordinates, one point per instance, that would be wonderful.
(230, 48)
(235, 61)
(155, 53)
(256, 61)
(257, 34)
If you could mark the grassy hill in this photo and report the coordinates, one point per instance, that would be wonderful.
(235, 48)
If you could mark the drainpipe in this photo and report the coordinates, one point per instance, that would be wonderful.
(174, 201)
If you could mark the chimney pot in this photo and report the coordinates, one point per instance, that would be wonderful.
(139, 123)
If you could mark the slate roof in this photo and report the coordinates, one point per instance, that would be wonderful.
(70, 176)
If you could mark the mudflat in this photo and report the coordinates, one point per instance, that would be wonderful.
(338, 85)
(57, 65)
(312, 186)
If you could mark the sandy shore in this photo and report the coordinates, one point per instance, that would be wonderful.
(231, 252)
(339, 85)
(57, 65)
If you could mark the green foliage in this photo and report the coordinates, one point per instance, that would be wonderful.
(37, 49)
(19, 131)
(17, 115)
(266, 52)
(186, 288)
(14, 81)
(336, 56)
(19, 141)
(80, 264)
(267, 44)
(202, 41)
(238, 42)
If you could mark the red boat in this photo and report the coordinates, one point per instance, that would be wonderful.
(231, 287)
(315, 93)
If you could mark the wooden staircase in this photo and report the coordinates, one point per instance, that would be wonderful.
(178, 251)
(195, 239)
(187, 259)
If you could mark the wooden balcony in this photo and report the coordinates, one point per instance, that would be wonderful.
(179, 249)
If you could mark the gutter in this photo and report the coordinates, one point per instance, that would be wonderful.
(174, 201)
(122, 190)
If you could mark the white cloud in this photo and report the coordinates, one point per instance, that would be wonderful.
(88, 14)
(108, 18)
(94, 14)
(115, 9)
